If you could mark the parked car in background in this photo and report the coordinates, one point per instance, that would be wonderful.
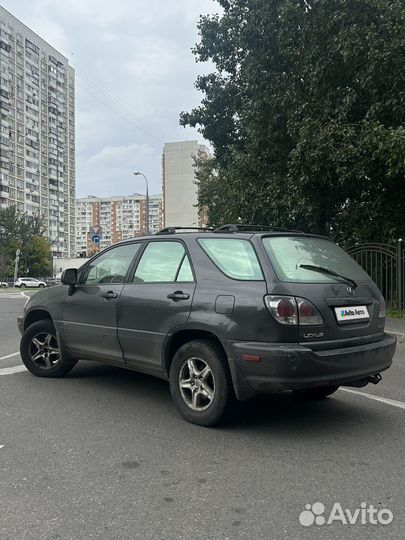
(51, 282)
(3, 284)
(30, 282)
(221, 314)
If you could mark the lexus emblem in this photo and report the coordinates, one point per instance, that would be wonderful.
(350, 290)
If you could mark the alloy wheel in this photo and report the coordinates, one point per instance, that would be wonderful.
(197, 384)
(44, 350)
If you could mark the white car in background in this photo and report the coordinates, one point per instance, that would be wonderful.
(30, 282)
(3, 284)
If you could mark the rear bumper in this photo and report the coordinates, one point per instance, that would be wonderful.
(293, 367)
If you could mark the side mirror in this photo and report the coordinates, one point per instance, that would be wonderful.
(69, 276)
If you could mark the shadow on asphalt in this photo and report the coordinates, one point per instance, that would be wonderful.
(275, 413)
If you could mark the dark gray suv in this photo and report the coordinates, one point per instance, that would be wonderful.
(221, 314)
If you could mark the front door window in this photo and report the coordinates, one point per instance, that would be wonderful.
(111, 266)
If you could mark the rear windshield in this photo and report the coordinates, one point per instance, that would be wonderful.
(287, 253)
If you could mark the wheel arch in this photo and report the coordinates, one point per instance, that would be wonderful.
(36, 315)
(176, 340)
(184, 336)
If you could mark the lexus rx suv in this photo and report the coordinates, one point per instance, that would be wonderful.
(221, 314)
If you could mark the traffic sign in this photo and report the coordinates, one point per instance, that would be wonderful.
(95, 238)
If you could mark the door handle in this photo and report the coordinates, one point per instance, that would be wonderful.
(109, 295)
(178, 295)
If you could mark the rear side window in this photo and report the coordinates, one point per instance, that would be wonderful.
(236, 258)
(288, 253)
(163, 262)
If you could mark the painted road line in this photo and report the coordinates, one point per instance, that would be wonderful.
(9, 355)
(392, 402)
(11, 370)
(1, 446)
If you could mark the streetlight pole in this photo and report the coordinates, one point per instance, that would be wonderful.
(147, 202)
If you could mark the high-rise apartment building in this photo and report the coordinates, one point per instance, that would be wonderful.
(179, 187)
(114, 219)
(37, 132)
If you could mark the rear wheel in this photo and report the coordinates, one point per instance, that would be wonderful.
(200, 383)
(41, 285)
(316, 393)
(40, 351)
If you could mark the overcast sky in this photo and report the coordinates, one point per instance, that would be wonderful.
(134, 74)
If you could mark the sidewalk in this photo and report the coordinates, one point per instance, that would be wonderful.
(395, 326)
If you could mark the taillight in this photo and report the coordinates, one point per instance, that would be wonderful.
(381, 312)
(283, 308)
(293, 311)
(307, 313)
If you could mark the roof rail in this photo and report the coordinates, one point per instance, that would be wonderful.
(172, 230)
(241, 227)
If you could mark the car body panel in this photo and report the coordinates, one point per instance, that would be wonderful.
(146, 316)
(89, 323)
(287, 366)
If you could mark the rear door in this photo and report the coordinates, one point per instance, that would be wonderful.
(350, 313)
(156, 299)
(89, 322)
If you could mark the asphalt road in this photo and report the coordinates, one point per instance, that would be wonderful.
(103, 454)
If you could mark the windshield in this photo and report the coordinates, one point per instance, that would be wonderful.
(287, 253)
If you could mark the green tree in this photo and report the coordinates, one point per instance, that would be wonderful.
(27, 234)
(306, 115)
(39, 259)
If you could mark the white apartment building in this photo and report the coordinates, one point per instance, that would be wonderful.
(114, 219)
(179, 188)
(37, 132)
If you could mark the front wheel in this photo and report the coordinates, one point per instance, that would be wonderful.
(316, 393)
(23, 285)
(200, 383)
(40, 351)
(41, 285)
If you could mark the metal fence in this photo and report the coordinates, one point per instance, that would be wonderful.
(385, 263)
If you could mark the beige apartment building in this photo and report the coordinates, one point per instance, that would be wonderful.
(179, 188)
(37, 132)
(114, 219)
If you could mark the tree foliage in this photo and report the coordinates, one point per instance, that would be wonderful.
(306, 115)
(19, 231)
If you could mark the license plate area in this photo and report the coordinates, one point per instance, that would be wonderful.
(351, 314)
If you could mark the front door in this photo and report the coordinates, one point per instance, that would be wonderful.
(89, 323)
(156, 300)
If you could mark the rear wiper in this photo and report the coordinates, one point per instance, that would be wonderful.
(326, 271)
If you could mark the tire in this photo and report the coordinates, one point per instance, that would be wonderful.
(41, 285)
(40, 337)
(204, 356)
(316, 393)
(22, 285)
